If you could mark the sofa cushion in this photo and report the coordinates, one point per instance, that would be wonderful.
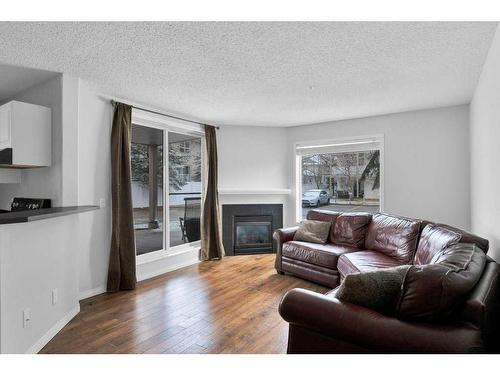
(318, 254)
(364, 261)
(433, 240)
(350, 229)
(467, 237)
(313, 231)
(378, 290)
(393, 236)
(324, 215)
(432, 291)
(317, 274)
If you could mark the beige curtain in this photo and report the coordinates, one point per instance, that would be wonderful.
(121, 272)
(211, 232)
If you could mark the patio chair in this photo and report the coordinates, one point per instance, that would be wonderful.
(190, 223)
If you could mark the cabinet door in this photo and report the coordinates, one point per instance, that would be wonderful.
(5, 116)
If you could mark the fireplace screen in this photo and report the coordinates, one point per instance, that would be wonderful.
(252, 234)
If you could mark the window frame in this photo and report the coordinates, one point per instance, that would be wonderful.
(185, 147)
(166, 124)
(357, 143)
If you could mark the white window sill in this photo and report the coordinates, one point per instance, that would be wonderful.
(163, 254)
(254, 191)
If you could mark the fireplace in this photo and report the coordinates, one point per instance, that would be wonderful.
(248, 228)
(253, 234)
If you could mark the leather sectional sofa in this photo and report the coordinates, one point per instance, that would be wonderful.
(361, 242)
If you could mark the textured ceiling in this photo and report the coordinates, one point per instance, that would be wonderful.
(277, 74)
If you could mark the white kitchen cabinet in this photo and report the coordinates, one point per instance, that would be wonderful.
(25, 135)
(4, 126)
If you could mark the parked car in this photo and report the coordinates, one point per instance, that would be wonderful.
(315, 198)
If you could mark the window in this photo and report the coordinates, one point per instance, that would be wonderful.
(184, 147)
(173, 176)
(343, 175)
(184, 173)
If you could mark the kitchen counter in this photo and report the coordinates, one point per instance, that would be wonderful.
(42, 214)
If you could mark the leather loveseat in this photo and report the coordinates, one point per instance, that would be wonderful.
(361, 242)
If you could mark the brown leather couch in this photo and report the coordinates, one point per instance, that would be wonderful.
(360, 242)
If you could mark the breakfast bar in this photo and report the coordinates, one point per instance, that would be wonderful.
(39, 292)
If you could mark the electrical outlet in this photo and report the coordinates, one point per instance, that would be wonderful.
(55, 296)
(102, 203)
(26, 317)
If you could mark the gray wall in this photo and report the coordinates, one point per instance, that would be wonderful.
(426, 160)
(252, 157)
(485, 151)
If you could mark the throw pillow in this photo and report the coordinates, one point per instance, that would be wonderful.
(313, 231)
(378, 290)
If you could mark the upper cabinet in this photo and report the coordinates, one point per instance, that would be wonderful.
(25, 135)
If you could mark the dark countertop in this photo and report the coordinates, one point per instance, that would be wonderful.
(44, 213)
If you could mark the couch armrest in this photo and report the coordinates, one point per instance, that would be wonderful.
(369, 329)
(280, 236)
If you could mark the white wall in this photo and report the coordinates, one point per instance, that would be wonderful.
(426, 160)
(36, 258)
(253, 159)
(69, 139)
(94, 182)
(41, 182)
(485, 151)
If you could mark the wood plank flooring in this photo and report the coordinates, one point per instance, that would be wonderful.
(228, 306)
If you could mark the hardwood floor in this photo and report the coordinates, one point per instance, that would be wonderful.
(229, 306)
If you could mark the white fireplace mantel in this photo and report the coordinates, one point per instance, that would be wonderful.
(258, 196)
(254, 191)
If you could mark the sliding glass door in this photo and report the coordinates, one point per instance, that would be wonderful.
(147, 188)
(184, 196)
(175, 225)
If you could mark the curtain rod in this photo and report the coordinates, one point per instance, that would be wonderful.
(113, 102)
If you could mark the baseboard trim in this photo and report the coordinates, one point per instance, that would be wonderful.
(92, 292)
(54, 330)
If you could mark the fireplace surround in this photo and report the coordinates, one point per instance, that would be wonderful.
(248, 228)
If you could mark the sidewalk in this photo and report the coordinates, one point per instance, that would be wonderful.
(355, 202)
(371, 208)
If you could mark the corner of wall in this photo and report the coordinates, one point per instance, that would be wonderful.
(69, 175)
(484, 152)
